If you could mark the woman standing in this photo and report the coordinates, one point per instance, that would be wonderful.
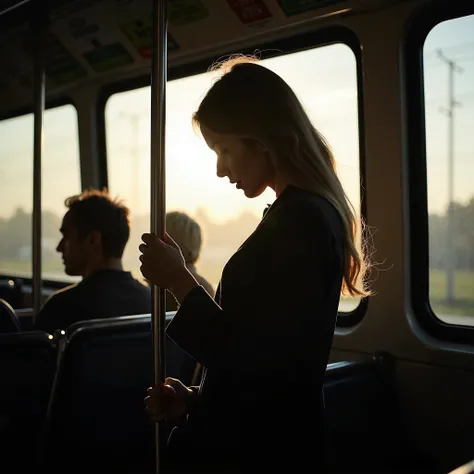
(265, 340)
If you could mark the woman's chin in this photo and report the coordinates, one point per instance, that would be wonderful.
(249, 193)
(253, 193)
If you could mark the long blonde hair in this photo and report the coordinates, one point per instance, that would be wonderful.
(251, 101)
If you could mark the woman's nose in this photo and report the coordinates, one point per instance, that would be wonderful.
(221, 169)
(220, 173)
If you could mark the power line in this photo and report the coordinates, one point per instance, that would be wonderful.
(455, 48)
(434, 100)
(449, 112)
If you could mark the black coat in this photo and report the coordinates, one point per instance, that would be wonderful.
(265, 345)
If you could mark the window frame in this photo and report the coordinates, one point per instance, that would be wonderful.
(50, 104)
(420, 25)
(17, 113)
(322, 37)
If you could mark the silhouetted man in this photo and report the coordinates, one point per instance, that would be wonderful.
(95, 231)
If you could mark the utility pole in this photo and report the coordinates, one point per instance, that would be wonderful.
(449, 112)
(134, 120)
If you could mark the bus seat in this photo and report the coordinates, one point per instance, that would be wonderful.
(366, 428)
(11, 290)
(97, 408)
(27, 364)
(8, 319)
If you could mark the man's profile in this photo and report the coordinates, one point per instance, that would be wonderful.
(95, 231)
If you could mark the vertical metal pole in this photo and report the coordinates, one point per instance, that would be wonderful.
(39, 23)
(158, 191)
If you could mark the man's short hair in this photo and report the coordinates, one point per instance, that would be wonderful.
(95, 210)
(186, 232)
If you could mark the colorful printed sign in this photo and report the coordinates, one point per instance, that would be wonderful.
(89, 29)
(140, 34)
(182, 12)
(105, 57)
(297, 7)
(249, 11)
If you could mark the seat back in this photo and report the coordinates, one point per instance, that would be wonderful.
(8, 319)
(366, 426)
(11, 290)
(97, 406)
(27, 363)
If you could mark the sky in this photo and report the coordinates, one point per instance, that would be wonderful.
(455, 39)
(323, 78)
(191, 174)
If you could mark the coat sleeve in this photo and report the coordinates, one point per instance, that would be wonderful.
(300, 253)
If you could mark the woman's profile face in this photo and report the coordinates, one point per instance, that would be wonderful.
(246, 165)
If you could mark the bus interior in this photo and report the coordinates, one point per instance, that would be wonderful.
(390, 84)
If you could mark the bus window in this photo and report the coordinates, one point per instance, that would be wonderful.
(61, 178)
(448, 55)
(324, 78)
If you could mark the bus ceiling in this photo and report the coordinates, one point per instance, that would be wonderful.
(92, 42)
